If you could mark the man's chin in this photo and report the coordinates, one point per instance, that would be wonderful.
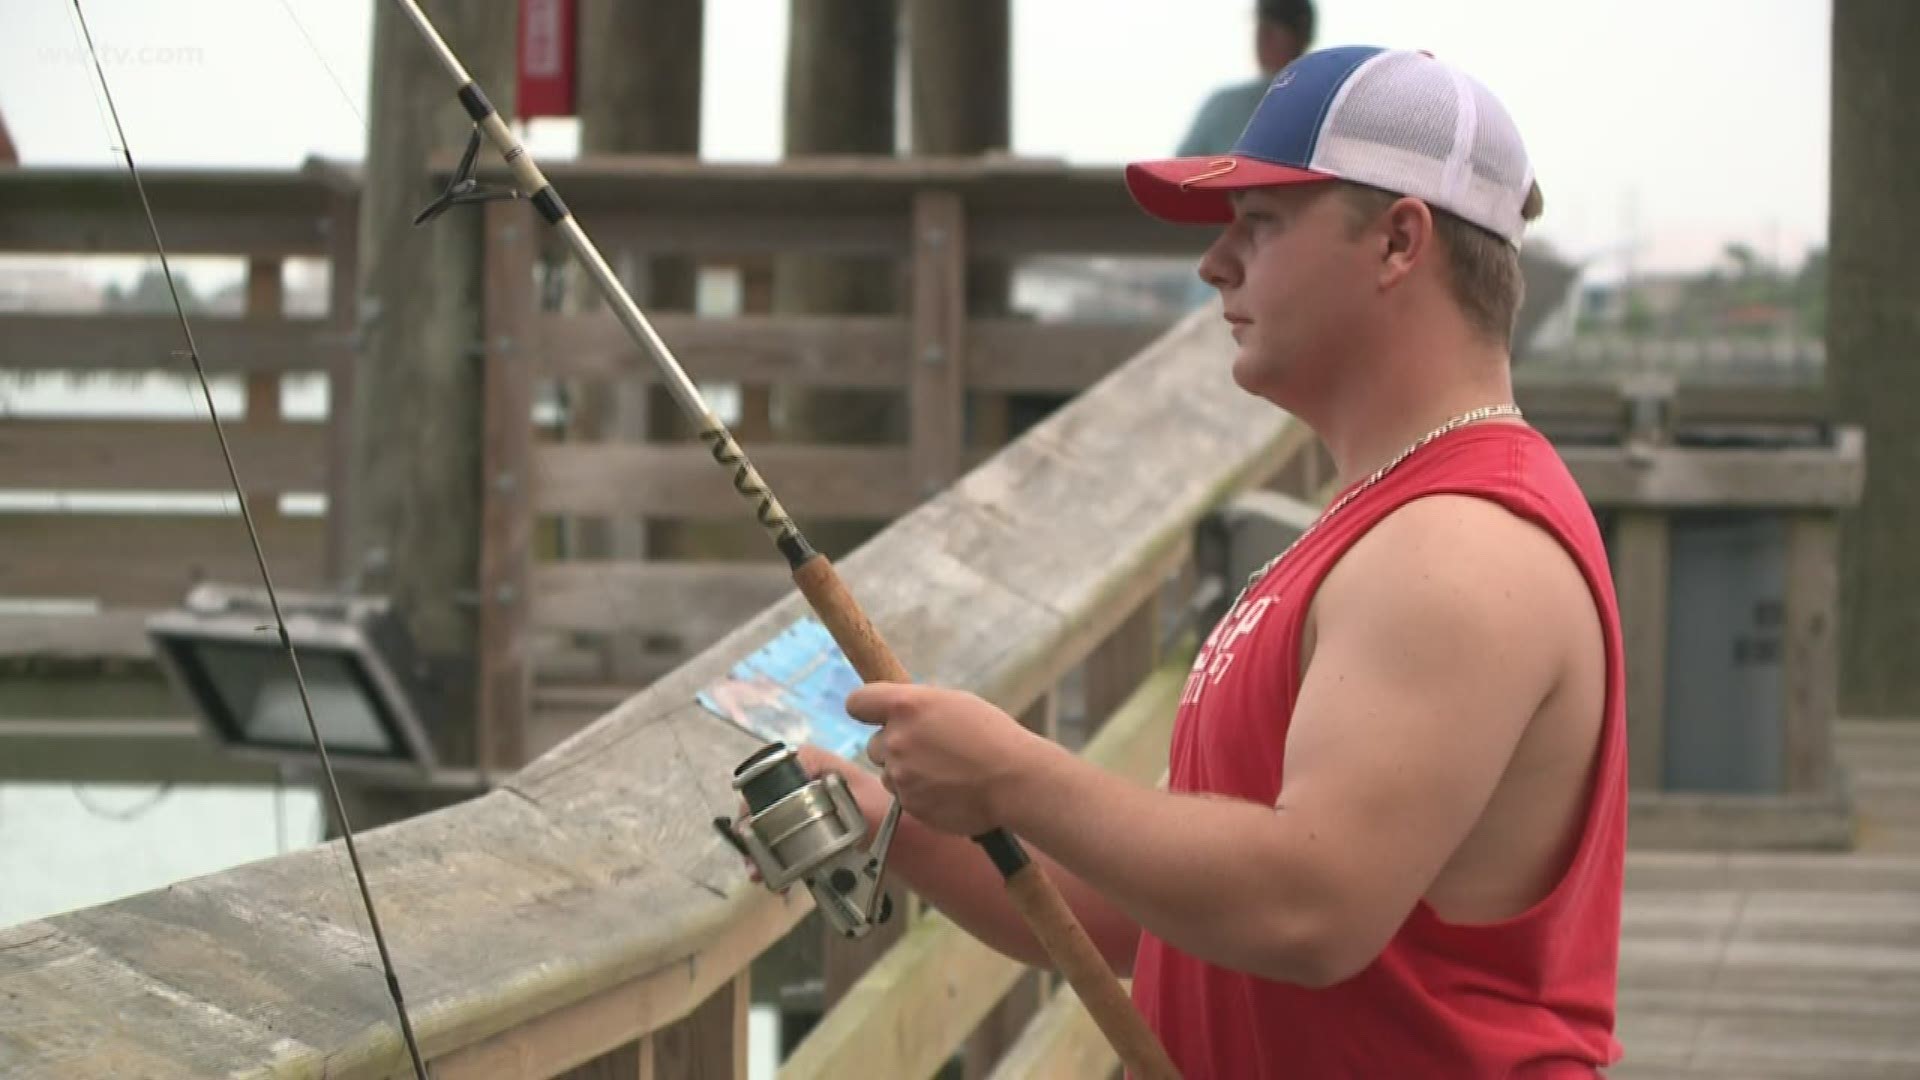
(1250, 374)
(1259, 379)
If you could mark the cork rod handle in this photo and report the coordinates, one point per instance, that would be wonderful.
(1046, 912)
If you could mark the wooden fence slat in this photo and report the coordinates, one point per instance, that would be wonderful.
(937, 399)
(1118, 665)
(1549, 396)
(861, 351)
(1061, 1043)
(504, 679)
(711, 1042)
(684, 482)
(745, 231)
(1811, 631)
(813, 350)
(159, 455)
(105, 342)
(1093, 231)
(1677, 477)
(211, 231)
(149, 559)
(343, 309)
(1641, 565)
(656, 597)
(1021, 355)
(265, 298)
(201, 211)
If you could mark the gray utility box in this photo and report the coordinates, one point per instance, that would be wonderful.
(1724, 549)
(1726, 679)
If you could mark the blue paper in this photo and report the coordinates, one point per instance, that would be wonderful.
(794, 690)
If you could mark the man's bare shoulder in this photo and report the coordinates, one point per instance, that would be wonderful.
(1461, 566)
(1459, 541)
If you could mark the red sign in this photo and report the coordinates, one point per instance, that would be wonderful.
(545, 58)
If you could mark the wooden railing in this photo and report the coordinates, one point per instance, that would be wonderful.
(583, 913)
(119, 565)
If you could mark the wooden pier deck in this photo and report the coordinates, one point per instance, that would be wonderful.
(1769, 966)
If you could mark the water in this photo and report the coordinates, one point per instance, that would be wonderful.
(65, 846)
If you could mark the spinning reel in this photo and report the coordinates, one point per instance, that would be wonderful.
(810, 830)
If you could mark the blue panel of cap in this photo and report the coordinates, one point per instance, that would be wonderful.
(1286, 124)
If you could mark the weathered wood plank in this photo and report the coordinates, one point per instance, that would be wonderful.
(749, 231)
(1001, 1027)
(709, 1043)
(148, 560)
(1022, 355)
(343, 306)
(1641, 561)
(634, 1061)
(1679, 477)
(937, 394)
(1812, 598)
(684, 482)
(159, 455)
(504, 679)
(99, 342)
(1702, 821)
(866, 351)
(200, 211)
(697, 990)
(658, 597)
(1061, 1043)
(1552, 398)
(1088, 230)
(1115, 668)
(1771, 870)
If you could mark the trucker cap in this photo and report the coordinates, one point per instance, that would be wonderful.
(1396, 119)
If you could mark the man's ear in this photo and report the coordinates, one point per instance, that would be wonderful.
(1408, 228)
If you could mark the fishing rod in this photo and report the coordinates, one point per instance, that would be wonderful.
(1039, 902)
(192, 353)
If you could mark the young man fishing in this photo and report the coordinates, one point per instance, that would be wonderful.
(1392, 840)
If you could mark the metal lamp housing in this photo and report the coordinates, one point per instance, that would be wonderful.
(221, 651)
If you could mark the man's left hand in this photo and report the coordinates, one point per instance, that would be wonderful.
(950, 756)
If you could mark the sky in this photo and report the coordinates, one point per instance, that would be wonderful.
(1661, 130)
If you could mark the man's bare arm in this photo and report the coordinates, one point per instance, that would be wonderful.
(1434, 648)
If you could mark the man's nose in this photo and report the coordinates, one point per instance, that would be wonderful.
(1217, 267)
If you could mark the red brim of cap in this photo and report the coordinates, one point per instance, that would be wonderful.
(1193, 190)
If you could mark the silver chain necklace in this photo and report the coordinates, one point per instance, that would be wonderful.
(1482, 413)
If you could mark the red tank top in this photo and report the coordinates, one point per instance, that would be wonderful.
(1530, 996)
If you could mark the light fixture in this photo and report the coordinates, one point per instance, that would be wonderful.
(223, 652)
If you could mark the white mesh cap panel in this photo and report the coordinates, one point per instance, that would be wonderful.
(1411, 124)
(1501, 172)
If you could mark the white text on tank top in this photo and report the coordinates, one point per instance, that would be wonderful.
(1215, 657)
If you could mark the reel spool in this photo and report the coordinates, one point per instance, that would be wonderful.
(810, 830)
